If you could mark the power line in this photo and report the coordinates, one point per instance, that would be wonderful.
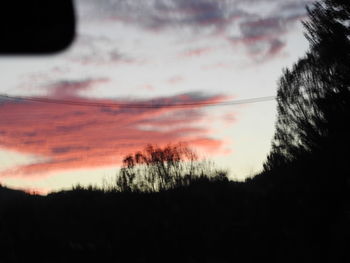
(138, 105)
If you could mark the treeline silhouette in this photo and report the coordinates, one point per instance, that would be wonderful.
(167, 206)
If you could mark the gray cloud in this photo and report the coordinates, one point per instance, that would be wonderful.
(259, 29)
(67, 149)
(262, 36)
(156, 14)
(97, 50)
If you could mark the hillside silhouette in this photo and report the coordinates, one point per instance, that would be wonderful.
(166, 206)
(207, 221)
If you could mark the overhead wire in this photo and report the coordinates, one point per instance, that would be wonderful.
(138, 105)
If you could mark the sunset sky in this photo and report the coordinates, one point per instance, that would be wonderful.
(149, 52)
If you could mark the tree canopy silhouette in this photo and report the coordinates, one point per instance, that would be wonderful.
(314, 96)
(156, 169)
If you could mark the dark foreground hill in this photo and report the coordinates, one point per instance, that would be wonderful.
(205, 222)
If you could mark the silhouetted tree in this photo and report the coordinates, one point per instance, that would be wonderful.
(156, 169)
(314, 96)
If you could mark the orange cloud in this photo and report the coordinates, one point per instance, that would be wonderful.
(70, 136)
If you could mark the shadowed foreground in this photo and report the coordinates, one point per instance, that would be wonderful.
(265, 218)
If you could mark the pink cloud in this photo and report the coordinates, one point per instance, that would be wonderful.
(71, 136)
(229, 118)
(71, 89)
(196, 52)
(175, 80)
